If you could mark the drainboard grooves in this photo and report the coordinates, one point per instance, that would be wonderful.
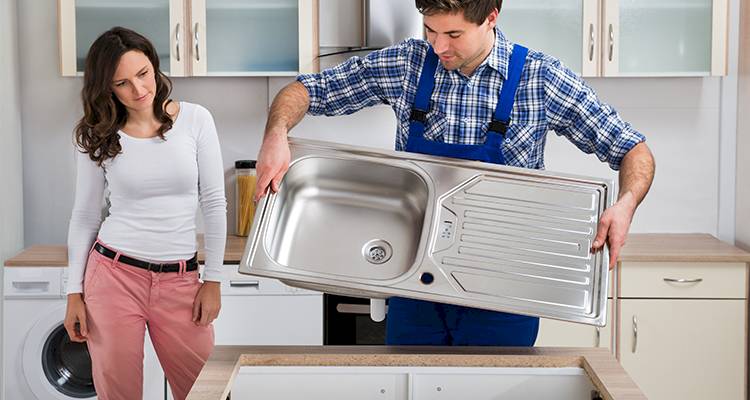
(532, 220)
(500, 228)
(514, 205)
(495, 241)
(535, 193)
(505, 253)
(517, 271)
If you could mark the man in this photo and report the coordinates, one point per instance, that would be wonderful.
(468, 93)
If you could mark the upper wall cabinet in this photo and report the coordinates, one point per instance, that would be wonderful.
(201, 37)
(624, 37)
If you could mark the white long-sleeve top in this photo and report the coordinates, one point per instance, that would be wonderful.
(155, 187)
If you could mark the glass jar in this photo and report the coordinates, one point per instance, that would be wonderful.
(244, 172)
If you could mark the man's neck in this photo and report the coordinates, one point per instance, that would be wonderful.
(471, 66)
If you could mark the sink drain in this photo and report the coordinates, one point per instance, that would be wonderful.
(377, 251)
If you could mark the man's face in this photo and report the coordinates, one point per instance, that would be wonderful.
(458, 42)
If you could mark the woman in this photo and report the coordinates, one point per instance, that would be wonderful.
(159, 160)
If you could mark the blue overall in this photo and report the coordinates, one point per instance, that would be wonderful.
(417, 322)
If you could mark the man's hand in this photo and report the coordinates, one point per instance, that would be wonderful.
(207, 303)
(76, 314)
(614, 226)
(273, 162)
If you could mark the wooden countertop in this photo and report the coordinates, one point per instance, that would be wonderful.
(654, 247)
(57, 255)
(216, 378)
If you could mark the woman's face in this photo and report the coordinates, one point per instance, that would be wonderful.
(134, 82)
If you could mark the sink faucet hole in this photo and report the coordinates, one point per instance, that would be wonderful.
(427, 278)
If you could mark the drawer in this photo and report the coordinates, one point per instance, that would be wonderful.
(683, 280)
(237, 284)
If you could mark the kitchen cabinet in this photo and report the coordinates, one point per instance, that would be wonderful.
(624, 37)
(553, 333)
(682, 328)
(200, 37)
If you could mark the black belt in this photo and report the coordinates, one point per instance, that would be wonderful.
(191, 264)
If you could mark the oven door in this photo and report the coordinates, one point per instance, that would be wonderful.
(347, 322)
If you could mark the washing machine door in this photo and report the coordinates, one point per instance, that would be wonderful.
(54, 367)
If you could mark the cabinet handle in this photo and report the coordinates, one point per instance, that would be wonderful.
(591, 42)
(177, 41)
(635, 334)
(244, 284)
(598, 336)
(611, 41)
(197, 44)
(672, 280)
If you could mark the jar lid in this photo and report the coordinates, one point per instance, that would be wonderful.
(244, 164)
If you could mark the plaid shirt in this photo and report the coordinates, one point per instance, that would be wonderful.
(549, 97)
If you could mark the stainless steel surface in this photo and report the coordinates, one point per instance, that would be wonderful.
(489, 236)
(671, 280)
(233, 283)
(591, 42)
(197, 47)
(387, 22)
(611, 42)
(177, 41)
(635, 333)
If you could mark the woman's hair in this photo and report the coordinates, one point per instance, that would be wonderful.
(103, 114)
(475, 11)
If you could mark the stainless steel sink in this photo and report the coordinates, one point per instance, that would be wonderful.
(374, 223)
(347, 218)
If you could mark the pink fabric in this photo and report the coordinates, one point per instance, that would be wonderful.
(121, 301)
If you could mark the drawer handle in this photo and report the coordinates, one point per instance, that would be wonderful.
(37, 286)
(672, 280)
(635, 334)
(244, 283)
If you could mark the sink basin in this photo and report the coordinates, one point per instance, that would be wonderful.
(375, 223)
(348, 218)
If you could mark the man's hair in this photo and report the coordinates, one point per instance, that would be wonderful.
(475, 11)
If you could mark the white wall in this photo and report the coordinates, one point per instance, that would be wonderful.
(11, 201)
(680, 116)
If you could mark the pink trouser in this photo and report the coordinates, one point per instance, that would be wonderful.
(121, 301)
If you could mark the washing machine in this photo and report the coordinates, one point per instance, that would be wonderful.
(40, 362)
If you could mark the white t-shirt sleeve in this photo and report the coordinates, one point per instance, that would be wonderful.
(85, 219)
(213, 202)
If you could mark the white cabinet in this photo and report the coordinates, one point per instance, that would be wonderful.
(262, 311)
(200, 37)
(682, 329)
(624, 37)
(411, 383)
(553, 333)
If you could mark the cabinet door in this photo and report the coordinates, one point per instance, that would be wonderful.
(565, 29)
(270, 320)
(82, 21)
(684, 349)
(553, 333)
(664, 37)
(253, 37)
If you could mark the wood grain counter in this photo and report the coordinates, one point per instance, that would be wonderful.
(216, 378)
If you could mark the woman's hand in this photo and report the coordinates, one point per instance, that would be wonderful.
(207, 303)
(76, 313)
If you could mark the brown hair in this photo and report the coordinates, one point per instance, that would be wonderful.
(103, 114)
(475, 11)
